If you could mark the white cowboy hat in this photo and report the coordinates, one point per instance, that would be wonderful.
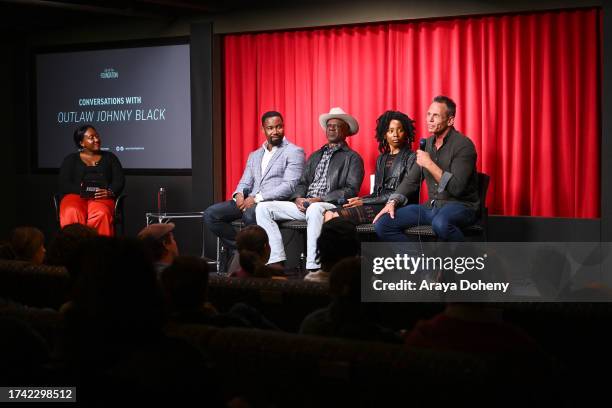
(338, 113)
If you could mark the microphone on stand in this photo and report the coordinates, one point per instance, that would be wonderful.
(422, 145)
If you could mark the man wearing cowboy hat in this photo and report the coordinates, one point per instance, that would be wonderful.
(333, 173)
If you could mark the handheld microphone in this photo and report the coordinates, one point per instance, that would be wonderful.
(306, 204)
(342, 201)
(422, 144)
(246, 192)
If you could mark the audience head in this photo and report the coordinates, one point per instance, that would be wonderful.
(28, 244)
(394, 125)
(338, 240)
(64, 248)
(254, 250)
(159, 239)
(345, 279)
(185, 283)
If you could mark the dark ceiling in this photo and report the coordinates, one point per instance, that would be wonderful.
(33, 14)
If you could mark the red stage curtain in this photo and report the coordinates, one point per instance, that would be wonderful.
(527, 88)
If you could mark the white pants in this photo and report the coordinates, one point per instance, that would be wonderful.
(267, 213)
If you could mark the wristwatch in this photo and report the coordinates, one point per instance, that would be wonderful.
(392, 201)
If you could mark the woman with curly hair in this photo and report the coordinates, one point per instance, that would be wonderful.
(394, 133)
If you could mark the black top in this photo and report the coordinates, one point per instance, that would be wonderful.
(390, 172)
(389, 163)
(74, 170)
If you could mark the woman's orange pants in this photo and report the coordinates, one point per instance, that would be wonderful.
(97, 214)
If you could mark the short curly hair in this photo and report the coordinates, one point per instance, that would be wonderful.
(382, 125)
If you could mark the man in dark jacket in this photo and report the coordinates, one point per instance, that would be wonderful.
(448, 164)
(332, 175)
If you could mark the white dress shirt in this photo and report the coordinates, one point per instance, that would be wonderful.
(265, 160)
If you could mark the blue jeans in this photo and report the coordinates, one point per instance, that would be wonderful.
(218, 217)
(446, 222)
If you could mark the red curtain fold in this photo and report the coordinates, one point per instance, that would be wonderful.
(527, 89)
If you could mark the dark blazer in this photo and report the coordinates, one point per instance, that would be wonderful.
(385, 185)
(344, 175)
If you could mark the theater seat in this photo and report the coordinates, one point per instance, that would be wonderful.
(33, 285)
(282, 369)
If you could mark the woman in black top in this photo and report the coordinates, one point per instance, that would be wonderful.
(90, 180)
(394, 133)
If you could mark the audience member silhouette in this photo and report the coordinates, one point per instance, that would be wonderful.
(63, 249)
(254, 251)
(114, 345)
(159, 239)
(470, 327)
(346, 316)
(338, 240)
(185, 286)
(23, 353)
(28, 244)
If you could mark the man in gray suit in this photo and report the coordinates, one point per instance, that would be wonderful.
(271, 173)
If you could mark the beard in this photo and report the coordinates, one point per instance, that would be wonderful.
(276, 141)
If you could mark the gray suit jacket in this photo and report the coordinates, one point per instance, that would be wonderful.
(280, 177)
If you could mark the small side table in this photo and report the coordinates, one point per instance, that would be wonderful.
(162, 218)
